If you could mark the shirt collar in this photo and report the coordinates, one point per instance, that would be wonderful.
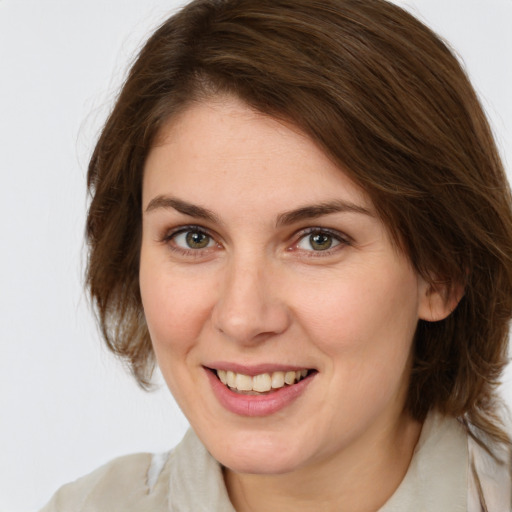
(437, 478)
(196, 480)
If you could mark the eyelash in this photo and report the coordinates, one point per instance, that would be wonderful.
(170, 237)
(342, 240)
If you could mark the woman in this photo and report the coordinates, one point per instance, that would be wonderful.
(298, 211)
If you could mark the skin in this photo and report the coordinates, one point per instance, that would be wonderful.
(259, 292)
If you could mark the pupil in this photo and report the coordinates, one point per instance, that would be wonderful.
(197, 240)
(320, 241)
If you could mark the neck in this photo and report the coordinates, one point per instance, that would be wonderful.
(359, 479)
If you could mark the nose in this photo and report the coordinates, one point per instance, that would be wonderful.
(249, 308)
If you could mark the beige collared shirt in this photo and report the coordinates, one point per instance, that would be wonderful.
(449, 472)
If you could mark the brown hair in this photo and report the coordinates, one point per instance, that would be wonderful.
(388, 101)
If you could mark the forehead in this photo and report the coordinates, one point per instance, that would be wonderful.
(226, 149)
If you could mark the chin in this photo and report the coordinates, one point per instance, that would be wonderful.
(259, 465)
(259, 457)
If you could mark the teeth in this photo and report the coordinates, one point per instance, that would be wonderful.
(277, 380)
(260, 383)
(243, 382)
(289, 377)
(231, 379)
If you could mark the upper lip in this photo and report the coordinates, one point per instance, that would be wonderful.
(256, 369)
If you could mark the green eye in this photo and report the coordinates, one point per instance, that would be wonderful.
(197, 240)
(193, 239)
(318, 241)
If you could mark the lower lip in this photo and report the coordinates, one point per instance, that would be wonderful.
(257, 405)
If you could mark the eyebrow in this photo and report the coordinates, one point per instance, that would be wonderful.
(315, 211)
(283, 219)
(184, 207)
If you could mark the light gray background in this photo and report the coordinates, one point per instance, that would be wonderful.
(66, 406)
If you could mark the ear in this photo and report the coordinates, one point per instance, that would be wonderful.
(438, 299)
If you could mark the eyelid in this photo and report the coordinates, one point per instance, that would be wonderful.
(170, 234)
(181, 239)
(341, 237)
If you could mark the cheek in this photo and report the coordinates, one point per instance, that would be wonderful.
(367, 318)
(365, 327)
(176, 308)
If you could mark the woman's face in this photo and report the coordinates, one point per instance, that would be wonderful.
(262, 262)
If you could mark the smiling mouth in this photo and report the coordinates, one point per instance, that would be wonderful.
(263, 383)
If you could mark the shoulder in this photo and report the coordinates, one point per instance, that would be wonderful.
(132, 482)
(451, 471)
(490, 476)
